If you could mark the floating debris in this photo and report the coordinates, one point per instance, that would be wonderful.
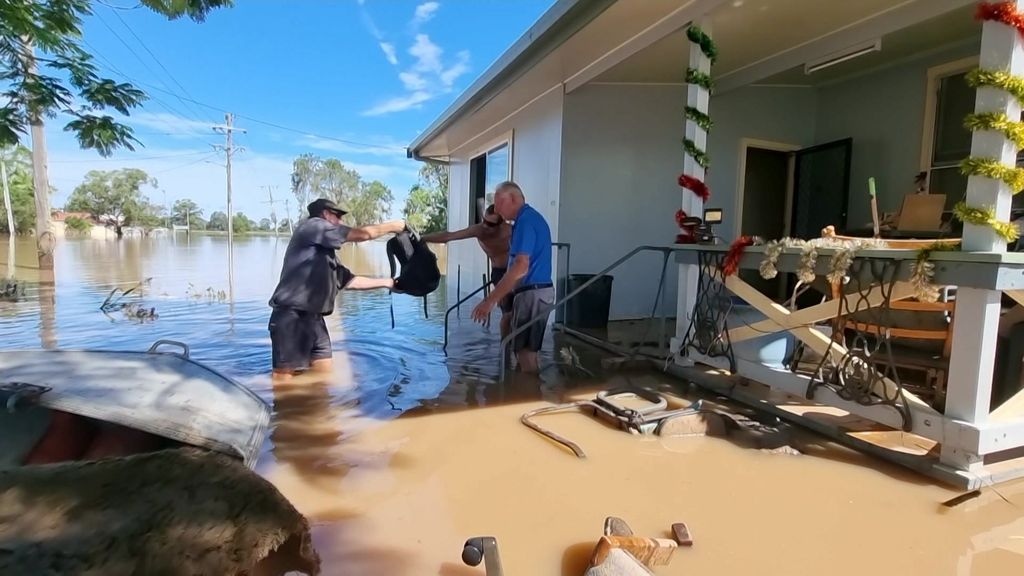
(137, 312)
(116, 299)
(209, 294)
(12, 290)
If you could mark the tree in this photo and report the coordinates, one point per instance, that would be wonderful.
(284, 226)
(19, 182)
(186, 211)
(266, 225)
(76, 225)
(315, 177)
(426, 210)
(45, 73)
(114, 198)
(218, 221)
(242, 224)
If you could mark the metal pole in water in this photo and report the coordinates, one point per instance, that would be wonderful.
(10, 219)
(458, 291)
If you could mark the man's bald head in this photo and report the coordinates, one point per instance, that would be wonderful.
(508, 199)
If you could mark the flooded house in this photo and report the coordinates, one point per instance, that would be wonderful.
(783, 119)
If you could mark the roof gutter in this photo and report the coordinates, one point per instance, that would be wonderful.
(558, 24)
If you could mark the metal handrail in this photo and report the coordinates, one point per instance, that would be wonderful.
(487, 284)
(665, 250)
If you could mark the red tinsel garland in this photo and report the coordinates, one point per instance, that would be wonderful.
(1005, 12)
(731, 264)
(686, 234)
(695, 185)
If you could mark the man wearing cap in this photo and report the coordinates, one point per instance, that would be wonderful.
(310, 279)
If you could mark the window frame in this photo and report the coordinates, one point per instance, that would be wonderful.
(505, 140)
(931, 109)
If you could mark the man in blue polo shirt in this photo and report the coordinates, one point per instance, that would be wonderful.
(528, 278)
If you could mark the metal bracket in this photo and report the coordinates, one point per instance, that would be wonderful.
(483, 548)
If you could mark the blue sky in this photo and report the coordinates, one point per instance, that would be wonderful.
(355, 80)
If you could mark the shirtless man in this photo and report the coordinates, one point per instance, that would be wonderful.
(494, 235)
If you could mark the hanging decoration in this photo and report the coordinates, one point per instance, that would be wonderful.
(997, 122)
(922, 272)
(844, 251)
(697, 78)
(999, 79)
(687, 232)
(1004, 12)
(991, 168)
(731, 263)
(986, 217)
(695, 185)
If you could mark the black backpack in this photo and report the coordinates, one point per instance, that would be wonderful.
(418, 274)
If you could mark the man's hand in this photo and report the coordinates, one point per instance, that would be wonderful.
(482, 311)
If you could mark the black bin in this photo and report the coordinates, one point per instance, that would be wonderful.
(588, 309)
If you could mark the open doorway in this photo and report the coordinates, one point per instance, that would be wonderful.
(766, 196)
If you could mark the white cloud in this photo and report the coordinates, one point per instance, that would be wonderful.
(425, 12)
(389, 53)
(429, 76)
(400, 103)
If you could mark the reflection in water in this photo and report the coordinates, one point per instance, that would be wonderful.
(395, 471)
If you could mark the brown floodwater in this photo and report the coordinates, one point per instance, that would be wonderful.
(403, 453)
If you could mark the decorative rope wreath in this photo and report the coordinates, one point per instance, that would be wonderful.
(701, 40)
(1005, 13)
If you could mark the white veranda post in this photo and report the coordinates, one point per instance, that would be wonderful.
(699, 98)
(977, 311)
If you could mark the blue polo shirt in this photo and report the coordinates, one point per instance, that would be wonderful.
(531, 235)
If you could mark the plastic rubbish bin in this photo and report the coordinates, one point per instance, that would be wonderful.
(588, 309)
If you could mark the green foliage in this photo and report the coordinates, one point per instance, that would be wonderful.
(241, 224)
(115, 198)
(77, 225)
(314, 177)
(218, 222)
(266, 225)
(426, 208)
(186, 211)
(19, 182)
(45, 72)
(284, 225)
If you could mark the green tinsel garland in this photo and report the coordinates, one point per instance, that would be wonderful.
(694, 76)
(707, 45)
(991, 168)
(698, 155)
(985, 217)
(700, 118)
(997, 122)
(997, 79)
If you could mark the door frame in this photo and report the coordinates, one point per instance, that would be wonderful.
(747, 143)
(844, 225)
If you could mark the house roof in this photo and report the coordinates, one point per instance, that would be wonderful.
(560, 22)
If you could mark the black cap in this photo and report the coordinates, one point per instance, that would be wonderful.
(317, 207)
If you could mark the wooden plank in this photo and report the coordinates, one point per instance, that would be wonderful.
(1012, 409)
(899, 332)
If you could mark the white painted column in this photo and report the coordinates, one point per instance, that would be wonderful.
(700, 99)
(975, 332)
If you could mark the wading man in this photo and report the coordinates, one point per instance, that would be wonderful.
(493, 235)
(310, 279)
(528, 279)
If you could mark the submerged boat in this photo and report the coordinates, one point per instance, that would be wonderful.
(162, 395)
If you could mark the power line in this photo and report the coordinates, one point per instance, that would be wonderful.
(186, 165)
(157, 60)
(127, 159)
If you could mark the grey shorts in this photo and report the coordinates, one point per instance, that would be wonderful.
(526, 306)
(298, 338)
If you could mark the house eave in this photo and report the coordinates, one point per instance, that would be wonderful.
(558, 24)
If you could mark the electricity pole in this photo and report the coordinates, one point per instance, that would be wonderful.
(10, 219)
(287, 211)
(273, 207)
(228, 130)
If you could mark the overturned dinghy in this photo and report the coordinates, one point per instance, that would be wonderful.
(164, 394)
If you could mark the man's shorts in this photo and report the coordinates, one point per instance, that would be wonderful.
(506, 303)
(298, 338)
(527, 304)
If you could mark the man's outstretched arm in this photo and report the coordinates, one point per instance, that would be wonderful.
(364, 283)
(374, 231)
(446, 237)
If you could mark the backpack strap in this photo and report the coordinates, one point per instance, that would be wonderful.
(391, 294)
(425, 314)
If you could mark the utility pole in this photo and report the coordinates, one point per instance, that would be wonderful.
(273, 207)
(10, 218)
(287, 211)
(228, 130)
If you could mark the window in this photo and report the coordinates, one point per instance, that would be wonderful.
(950, 141)
(486, 171)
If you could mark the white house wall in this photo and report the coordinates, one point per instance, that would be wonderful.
(621, 157)
(772, 114)
(536, 132)
(884, 114)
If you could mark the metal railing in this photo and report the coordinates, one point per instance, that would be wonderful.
(666, 251)
(487, 283)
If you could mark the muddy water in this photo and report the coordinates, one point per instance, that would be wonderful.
(401, 454)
